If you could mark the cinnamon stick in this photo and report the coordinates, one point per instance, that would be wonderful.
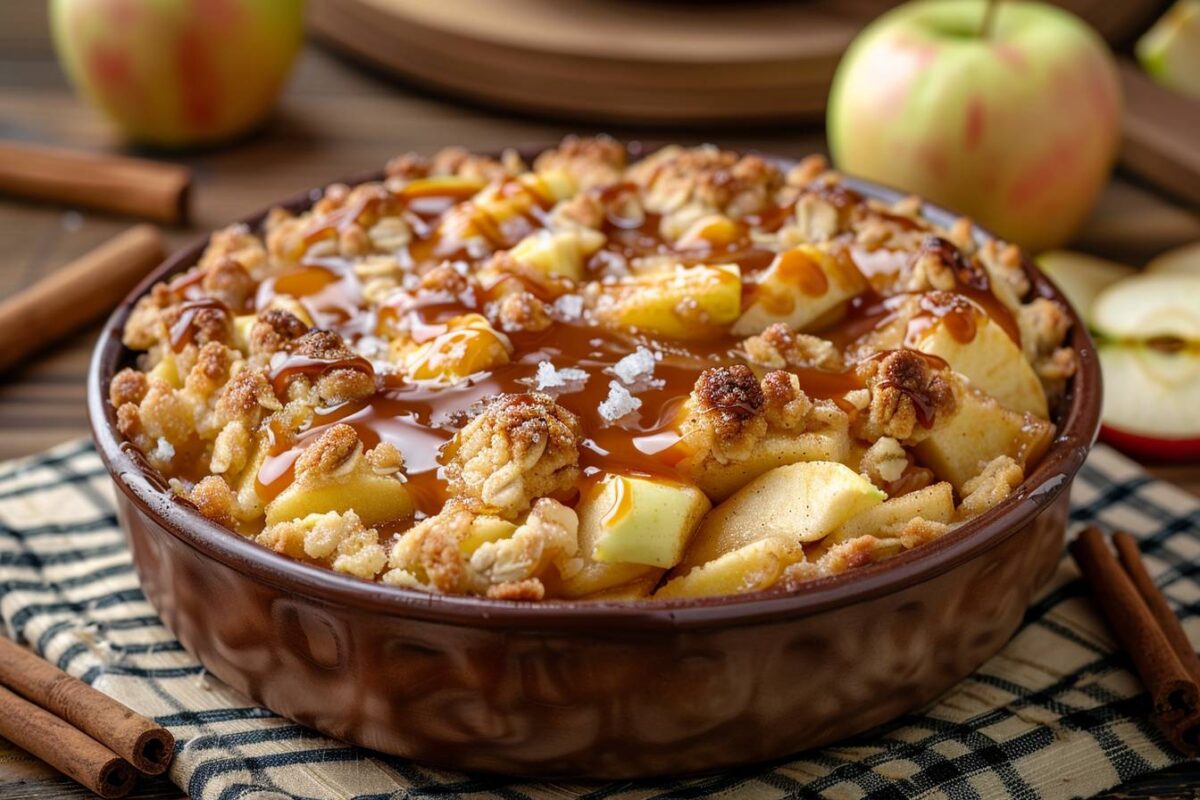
(1188, 730)
(71, 752)
(145, 745)
(1173, 692)
(148, 189)
(69, 298)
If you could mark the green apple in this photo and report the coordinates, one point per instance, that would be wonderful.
(179, 72)
(1185, 260)
(1081, 277)
(1170, 51)
(645, 520)
(1148, 307)
(1015, 125)
(796, 503)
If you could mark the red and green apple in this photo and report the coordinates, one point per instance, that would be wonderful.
(1006, 111)
(179, 72)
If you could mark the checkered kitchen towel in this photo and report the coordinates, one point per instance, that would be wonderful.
(1056, 714)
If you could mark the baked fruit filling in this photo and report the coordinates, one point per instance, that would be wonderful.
(594, 377)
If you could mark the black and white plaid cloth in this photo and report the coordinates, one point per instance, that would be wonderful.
(1055, 714)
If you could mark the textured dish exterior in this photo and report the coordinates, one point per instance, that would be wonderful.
(611, 691)
(572, 702)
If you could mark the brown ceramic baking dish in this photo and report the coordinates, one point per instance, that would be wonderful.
(614, 690)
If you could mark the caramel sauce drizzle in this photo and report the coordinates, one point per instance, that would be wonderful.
(183, 331)
(421, 417)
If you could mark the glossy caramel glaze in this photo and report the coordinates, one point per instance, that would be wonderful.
(442, 292)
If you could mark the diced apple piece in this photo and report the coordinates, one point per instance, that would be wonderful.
(167, 369)
(991, 360)
(1081, 277)
(485, 529)
(469, 345)
(595, 575)
(749, 568)
(1150, 306)
(719, 481)
(802, 286)
(933, 503)
(795, 503)
(375, 498)
(684, 303)
(1184, 260)
(242, 324)
(646, 521)
(980, 430)
(1151, 393)
(560, 253)
(1170, 50)
(638, 589)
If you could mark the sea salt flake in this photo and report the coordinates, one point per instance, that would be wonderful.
(569, 306)
(548, 377)
(636, 366)
(163, 450)
(619, 402)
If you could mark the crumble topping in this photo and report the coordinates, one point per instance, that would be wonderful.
(483, 376)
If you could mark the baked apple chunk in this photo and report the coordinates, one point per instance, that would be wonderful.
(595, 378)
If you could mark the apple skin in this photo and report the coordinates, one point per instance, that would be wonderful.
(1151, 448)
(1018, 129)
(178, 73)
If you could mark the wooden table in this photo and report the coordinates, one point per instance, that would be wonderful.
(336, 119)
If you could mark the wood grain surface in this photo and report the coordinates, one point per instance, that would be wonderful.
(334, 120)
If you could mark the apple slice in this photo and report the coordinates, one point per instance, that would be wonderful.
(646, 520)
(1149, 307)
(1151, 400)
(991, 360)
(1081, 277)
(1170, 51)
(796, 503)
(1183, 260)
(630, 529)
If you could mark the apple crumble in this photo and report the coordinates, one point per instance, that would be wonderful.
(594, 376)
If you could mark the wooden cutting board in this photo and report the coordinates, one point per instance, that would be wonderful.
(635, 61)
(608, 60)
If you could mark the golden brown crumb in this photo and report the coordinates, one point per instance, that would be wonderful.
(228, 281)
(584, 210)
(433, 552)
(214, 499)
(909, 396)
(274, 330)
(338, 540)
(462, 163)
(334, 453)
(336, 384)
(785, 405)
(408, 166)
(779, 346)
(521, 447)
(707, 177)
(520, 311)
(725, 413)
(205, 324)
(127, 386)
(884, 462)
(239, 244)
(989, 487)
(591, 161)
